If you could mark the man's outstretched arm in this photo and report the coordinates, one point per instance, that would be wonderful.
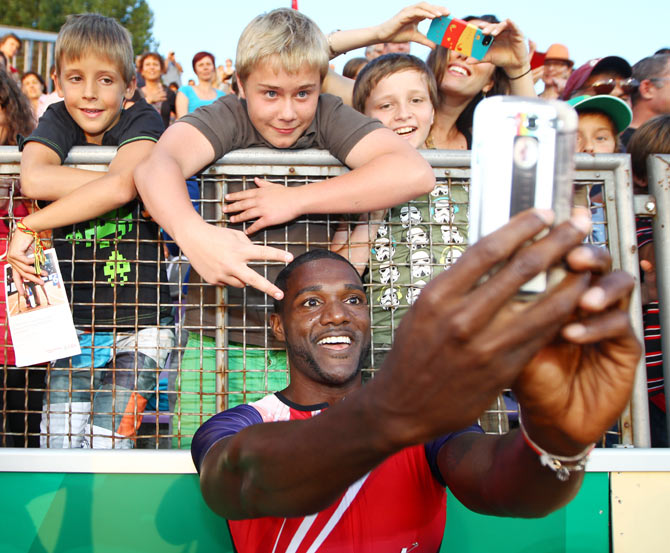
(299, 467)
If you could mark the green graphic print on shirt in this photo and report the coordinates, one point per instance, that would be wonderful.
(111, 226)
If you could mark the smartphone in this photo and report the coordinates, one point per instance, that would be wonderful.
(522, 157)
(460, 36)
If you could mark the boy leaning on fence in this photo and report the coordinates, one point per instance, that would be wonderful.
(109, 252)
(282, 59)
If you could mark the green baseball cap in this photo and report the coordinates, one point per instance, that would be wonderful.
(617, 110)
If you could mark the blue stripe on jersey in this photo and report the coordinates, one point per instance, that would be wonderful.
(220, 426)
(433, 448)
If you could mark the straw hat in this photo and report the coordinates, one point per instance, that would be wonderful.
(558, 52)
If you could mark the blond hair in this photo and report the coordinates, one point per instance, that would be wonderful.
(91, 33)
(284, 38)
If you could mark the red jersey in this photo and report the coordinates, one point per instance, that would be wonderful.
(398, 507)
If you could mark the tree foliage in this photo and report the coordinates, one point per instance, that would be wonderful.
(49, 15)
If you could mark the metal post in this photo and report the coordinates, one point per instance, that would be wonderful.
(216, 191)
(658, 179)
(28, 55)
(49, 63)
(627, 242)
(40, 57)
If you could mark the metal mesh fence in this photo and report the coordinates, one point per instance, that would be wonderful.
(168, 350)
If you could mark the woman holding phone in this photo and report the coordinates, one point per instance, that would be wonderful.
(463, 81)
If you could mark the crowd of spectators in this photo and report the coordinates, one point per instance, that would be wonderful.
(618, 103)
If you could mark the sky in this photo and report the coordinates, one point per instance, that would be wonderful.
(592, 29)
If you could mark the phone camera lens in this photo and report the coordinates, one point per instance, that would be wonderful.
(487, 40)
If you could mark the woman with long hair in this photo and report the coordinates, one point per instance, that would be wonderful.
(16, 115)
(464, 81)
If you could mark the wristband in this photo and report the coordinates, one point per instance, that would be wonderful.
(562, 466)
(519, 76)
(39, 249)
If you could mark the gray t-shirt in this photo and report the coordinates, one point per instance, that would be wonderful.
(226, 124)
(336, 127)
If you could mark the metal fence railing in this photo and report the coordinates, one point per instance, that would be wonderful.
(658, 172)
(223, 352)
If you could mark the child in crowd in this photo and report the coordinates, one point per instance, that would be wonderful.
(601, 119)
(109, 253)
(419, 239)
(652, 137)
(282, 59)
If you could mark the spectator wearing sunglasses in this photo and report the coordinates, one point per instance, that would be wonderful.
(610, 75)
(652, 96)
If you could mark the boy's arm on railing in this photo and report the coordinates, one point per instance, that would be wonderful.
(106, 192)
(219, 255)
(386, 171)
(44, 178)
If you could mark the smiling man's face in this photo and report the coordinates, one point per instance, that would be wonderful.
(325, 323)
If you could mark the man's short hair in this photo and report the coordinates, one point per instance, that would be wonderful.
(383, 66)
(284, 38)
(648, 68)
(97, 35)
(652, 137)
(281, 281)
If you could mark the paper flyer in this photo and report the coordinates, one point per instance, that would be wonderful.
(40, 321)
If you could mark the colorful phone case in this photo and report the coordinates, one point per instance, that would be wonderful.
(460, 36)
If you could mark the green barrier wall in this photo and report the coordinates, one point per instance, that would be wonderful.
(581, 527)
(164, 513)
